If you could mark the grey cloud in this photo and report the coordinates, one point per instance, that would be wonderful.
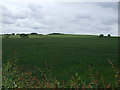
(6, 15)
(112, 5)
(109, 22)
(34, 7)
(78, 18)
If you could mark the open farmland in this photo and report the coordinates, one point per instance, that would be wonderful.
(70, 54)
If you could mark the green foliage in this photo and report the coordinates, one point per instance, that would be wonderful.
(15, 76)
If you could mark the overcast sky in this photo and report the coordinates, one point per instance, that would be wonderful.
(91, 18)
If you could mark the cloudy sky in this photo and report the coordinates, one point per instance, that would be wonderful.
(91, 18)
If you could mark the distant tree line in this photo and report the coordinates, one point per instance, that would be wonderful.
(23, 35)
(30, 34)
(56, 34)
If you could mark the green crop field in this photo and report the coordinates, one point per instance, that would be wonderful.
(69, 54)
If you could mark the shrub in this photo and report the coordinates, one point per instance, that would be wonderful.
(101, 35)
(15, 77)
(13, 33)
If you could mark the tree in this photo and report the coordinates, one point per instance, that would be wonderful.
(109, 35)
(33, 34)
(101, 35)
(13, 33)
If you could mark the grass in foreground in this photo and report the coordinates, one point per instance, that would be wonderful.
(15, 76)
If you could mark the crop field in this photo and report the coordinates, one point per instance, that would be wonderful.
(65, 55)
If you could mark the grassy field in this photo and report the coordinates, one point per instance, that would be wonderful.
(65, 55)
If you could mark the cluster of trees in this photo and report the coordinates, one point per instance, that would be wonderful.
(23, 33)
(102, 35)
(9, 34)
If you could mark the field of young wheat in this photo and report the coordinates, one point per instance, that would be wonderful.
(61, 57)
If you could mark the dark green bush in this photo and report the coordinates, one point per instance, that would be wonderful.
(101, 35)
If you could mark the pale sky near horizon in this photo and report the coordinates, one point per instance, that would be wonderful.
(91, 18)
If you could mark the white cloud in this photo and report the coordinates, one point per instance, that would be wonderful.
(65, 17)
